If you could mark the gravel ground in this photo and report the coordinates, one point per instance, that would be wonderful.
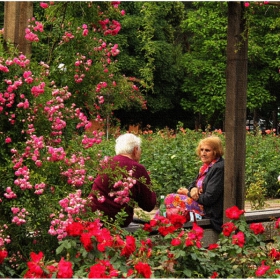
(270, 204)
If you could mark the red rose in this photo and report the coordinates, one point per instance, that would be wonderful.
(35, 266)
(234, 213)
(166, 230)
(64, 269)
(177, 220)
(130, 272)
(103, 269)
(3, 255)
(86, 241)
(262, 269)
(238, 239)
(198, 231)
(129, 247)
(175, 241)
(274, 254)
(189, 242)
(118, 242)
(97, 271)
(44, 5)
(148, 227)
(74, 229)
(257, 228)
(213, 246)
(51, 269)
(277, 223)
(214, 275)
(228, 228)
(153, 223)
(144, 269)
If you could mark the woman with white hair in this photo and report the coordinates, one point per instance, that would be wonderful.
(122, 181)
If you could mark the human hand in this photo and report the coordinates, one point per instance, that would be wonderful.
(182, 190)
(195, 193)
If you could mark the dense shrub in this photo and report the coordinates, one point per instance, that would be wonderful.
(170, 157)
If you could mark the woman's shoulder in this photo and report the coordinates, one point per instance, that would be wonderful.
(220, 163)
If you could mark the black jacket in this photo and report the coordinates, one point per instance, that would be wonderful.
(212, 197)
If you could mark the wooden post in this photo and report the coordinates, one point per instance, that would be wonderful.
(16, 15)
(235, 116)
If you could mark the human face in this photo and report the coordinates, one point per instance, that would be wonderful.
(206, 154)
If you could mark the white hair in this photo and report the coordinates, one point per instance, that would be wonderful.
(126, 143)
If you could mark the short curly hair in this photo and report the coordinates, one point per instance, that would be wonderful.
(214, 142)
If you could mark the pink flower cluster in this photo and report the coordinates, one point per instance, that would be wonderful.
(121, 189)
(23, 182)
(67, 37)
(89, 142)
(33, 147)
(110, 27)
(82, 65)
(39, 188)
(38, 90)
(34, 26)
(7, 98)
(75, 176)
(19, 215)
(9, 194)
(4, 239)
(72, 205)
(56, 114)
(56, 154)
(84, 122)
(85, 30)
(100, 86)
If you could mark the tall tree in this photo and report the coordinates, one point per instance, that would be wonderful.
(152, 48)
(205, 63)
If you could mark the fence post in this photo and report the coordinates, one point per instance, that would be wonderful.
(235, 115)
(16, 15)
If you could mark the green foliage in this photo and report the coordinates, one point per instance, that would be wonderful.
(256, 192)
(153, 50)
(263, 158)
(205, 62)
(171, 159)
(82, 62)
(173, 252)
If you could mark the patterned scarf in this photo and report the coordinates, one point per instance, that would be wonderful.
(203, 171)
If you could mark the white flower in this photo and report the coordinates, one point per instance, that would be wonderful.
(62, 67)
(279, 178)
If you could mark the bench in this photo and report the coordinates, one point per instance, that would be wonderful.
(266, 217)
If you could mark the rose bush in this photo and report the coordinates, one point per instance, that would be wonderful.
(161, 249)
(48, 102)
(50, 156)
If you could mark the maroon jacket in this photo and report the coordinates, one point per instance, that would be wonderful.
(140, 192)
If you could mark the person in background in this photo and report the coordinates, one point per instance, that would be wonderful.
(112, 193)
(205, 195)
